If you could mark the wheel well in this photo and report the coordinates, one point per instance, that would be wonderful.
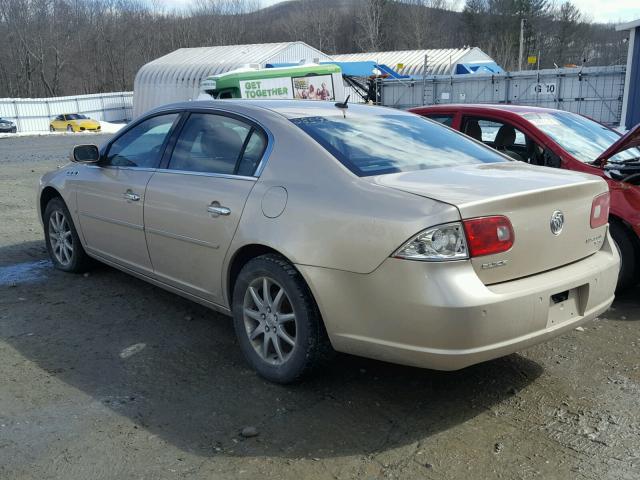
(631, 234)
(46, 196)
(240, 259)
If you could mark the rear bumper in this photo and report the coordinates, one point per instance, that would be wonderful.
(441, 316)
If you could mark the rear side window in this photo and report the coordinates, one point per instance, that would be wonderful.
(253, 152)
(379, 144)
(443, 119)
(210, 143)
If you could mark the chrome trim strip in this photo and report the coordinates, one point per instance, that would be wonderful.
(184, 238)
(261, 164)
(213, 109)
(180, 172)
(205, 174)
(112, 220)
(115, 167)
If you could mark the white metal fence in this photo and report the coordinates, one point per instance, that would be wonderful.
(34, 114)
(593, 91)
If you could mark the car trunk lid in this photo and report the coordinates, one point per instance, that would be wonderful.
(528, 196)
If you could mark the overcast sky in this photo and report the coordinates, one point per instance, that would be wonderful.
(596, 10)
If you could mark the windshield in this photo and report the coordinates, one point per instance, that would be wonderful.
(581, 137)
(379, 144)
(76, 116)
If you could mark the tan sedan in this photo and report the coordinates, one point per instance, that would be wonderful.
(369, 230)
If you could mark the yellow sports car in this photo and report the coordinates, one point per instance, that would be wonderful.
(74, 122)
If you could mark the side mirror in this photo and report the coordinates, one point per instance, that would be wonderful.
(550, 159)
(85, 154)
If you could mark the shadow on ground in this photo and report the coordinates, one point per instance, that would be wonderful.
(174, 368)
(627, 300)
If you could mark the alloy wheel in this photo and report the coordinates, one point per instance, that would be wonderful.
(269, 320)
(60, 238)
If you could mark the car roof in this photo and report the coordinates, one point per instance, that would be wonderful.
(483, 106)
(286, 108)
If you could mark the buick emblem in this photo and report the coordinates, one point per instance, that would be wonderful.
(557, 222)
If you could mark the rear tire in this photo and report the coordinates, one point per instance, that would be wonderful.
(51, 129)
(63, 244)
(281, 333)
(69, 129)
(628, 255)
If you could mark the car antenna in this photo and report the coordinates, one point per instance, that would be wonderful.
(343, 104)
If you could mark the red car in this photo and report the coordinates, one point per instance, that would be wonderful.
(555, 138)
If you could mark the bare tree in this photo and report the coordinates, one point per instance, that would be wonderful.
(423, 22)
(313, 25)
(64, 47)
(371, 18)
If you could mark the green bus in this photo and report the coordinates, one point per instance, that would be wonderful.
(303, 82)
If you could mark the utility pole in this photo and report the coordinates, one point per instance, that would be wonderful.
(522, 24)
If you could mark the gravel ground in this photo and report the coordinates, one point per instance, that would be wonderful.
(105, 376)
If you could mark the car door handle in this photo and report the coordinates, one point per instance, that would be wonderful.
(218, 210)
(129, 195)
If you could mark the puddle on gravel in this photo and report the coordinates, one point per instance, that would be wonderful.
(24, 272)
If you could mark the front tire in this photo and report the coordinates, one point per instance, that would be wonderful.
(51, 129)
(63, 244)
(69, 129)
(628, 256)
(277, 321)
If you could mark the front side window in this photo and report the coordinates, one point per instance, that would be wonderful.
(581, 137)
(142, 145)
(380, 144)
(212, 143)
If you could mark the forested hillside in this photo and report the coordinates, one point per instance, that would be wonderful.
(62, 47)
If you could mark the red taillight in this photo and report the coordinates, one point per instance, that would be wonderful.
(488, 235)
(600, 210)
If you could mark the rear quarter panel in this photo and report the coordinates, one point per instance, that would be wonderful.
(332, 219)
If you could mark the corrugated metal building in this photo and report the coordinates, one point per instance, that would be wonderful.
(439, 61)
(177, 75)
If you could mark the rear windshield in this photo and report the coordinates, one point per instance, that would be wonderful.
(380, 144)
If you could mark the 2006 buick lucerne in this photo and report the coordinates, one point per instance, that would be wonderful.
(369, 230)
